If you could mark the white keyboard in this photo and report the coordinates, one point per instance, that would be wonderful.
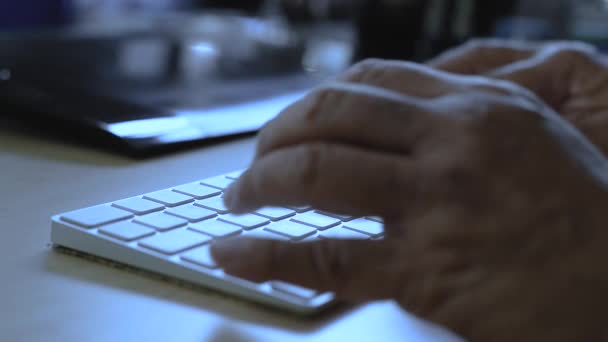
(169, 232)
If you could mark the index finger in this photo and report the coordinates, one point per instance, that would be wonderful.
(351, 114)
(364, 103)
(332, 177)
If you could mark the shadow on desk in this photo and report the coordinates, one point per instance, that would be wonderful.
(74, 264)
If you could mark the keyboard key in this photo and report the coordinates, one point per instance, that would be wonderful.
(219, 182)
(339, 233)
(316, 220)
(126, 231)
(161, 221)
(292, 230)
(364, 226)
(177, 227)
(191, 213)
(201, 256)
(375, 218)
(217, 229)
(175, 241)
(247, 221)
(197, 190)
(263, 234)
(235, 175)
(214, 203)
(96, 216)
(138, 205)
(300, 208)
(294, 290)
(275, 214)
(169, 198)
(341, 217)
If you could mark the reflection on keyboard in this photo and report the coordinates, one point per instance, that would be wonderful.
(170, 231)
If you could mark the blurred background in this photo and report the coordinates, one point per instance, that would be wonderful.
(186, 55)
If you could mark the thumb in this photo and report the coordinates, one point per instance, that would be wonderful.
(355, 270)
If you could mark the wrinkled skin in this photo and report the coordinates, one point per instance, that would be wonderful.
(494, 205)
(571, 77)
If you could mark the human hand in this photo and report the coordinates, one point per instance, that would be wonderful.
(493, 204)
(571, 77)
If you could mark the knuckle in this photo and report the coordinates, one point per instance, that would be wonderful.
(572, 45)
(489, 47)
(366, 70)
(368, 64)
(570, 52)
(321, 100)
(480, 45)
(506, 88)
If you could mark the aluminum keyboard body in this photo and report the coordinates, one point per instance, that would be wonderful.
(169, 232)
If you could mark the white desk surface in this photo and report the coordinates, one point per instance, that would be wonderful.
(49, 296)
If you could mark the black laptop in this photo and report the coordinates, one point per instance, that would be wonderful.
(144, 92)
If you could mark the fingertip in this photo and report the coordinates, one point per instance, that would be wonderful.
(241, 196)
(231, 198)
(238, 257)
(222, 251)
(225, 251)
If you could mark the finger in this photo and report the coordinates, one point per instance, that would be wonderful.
(349, 114)
(481, 56)
(353, 270)
(403, 77)
(331, 177)
(552, 72)
(417, 80)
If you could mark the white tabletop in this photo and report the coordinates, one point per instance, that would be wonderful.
(49, 296)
